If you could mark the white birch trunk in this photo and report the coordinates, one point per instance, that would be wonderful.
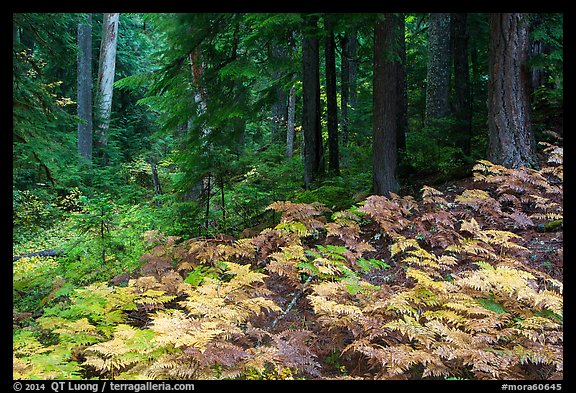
(106, 71)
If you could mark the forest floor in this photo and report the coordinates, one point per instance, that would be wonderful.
(503, 216)
(544, 255)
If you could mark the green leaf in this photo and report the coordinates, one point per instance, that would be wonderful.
(367, 265)
(489, 304)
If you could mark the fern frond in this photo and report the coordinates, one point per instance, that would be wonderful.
(401, 244)
(428, 282)
(432, 196)
(410, 327)
(310, 215)
(284, 263)
(80, 332)
(390, 214)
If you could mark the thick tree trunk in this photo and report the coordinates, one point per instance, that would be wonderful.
(438, 67)
(331, 97)
(84, 86)
(385, 104)
(462, 82)
(511, 139)
(107, 67)
(313, 150)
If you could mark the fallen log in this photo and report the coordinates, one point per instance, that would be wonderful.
(43, 253)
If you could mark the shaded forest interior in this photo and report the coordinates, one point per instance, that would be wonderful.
(210, 113)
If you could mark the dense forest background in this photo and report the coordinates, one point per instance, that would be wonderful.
(136, 136)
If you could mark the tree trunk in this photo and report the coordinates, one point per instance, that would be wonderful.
(353, 68)
(279, 112)
(385, 104)
(537, 49)
(313, 150)
(511, 139)
(155, 178)
(279, 107)
(201, 189)
(106, 71)
(344, 87)
(84, 86)
(200, 95)
(462, 82)
(291, 132)
(438, 68)
(331, 97)
(403, 89)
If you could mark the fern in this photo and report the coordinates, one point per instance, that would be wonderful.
(309, 215)
(128, 347)
(458, 329)
(526, 189)
(390, 214)
(33, 359)
(346, 228)
(462, 301)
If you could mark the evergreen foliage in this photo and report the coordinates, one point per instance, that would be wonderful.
(198, 251)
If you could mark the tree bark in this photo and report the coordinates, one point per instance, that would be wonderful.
(331, 97)
(511, 139)
(403, 89)
(344, 87)
(353, 69)
(84, 88)
(463, 101)
(107, 67)
(385, 104)
(155, 178)
(438, 68)
(291, 132)
(203, 188)
(279, 106)
(313, 150)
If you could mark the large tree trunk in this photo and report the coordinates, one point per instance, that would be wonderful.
(107, 67)
(385, 104)
(511, 139)
(331, 97)
(462, 82)
(84, 86)
(313, 150)
(438, 67)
